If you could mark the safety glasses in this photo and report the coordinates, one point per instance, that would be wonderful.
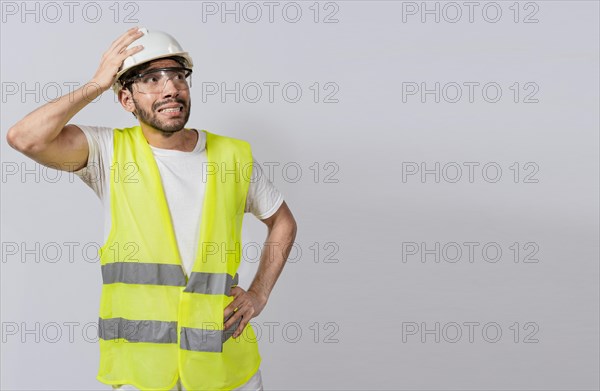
(155, 80)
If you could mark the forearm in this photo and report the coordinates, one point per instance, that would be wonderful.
(43, 125)
(273, 257)
(37, 132)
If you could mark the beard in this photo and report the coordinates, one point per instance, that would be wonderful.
(167, 126)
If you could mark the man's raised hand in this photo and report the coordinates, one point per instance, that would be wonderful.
(113, 58)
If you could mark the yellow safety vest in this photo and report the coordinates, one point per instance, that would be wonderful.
(156, 325)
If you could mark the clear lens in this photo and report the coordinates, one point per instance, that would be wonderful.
(156, 80)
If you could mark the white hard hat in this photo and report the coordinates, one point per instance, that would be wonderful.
(157, 44)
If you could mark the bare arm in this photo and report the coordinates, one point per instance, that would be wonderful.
(282, 232)
(281, 235)
(44, 136)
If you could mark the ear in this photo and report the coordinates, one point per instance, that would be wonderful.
(126, 100)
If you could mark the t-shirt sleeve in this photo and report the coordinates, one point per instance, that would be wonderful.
(99, 142)
(263, 198)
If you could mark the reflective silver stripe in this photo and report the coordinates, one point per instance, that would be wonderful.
(206, 340)
(138, 330)
(143, 273)
(211, 283)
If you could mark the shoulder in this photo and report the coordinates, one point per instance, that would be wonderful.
(224, 140)
(98, 131)
(98, 137)
(121, 133)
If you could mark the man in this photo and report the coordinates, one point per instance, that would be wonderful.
(171, 313)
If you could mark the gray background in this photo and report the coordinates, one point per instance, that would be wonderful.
(352, 310)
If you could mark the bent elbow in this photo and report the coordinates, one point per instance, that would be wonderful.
(13, 139)
(17, 140)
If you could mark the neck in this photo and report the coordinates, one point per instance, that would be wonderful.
(181, 140)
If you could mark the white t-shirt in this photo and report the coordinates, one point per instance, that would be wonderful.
(181, 176)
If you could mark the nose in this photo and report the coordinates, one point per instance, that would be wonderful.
(169, 88)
